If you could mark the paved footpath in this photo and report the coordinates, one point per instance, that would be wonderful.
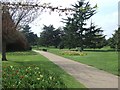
(87, 75)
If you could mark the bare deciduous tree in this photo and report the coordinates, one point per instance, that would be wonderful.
(13, 18)
(17, 14)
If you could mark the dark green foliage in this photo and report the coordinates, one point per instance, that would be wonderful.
(31, 37)
(44, 50)
(76, 34)
(61, 45)
(12, 47)
(114, 41)
(111, 42)
(94, 37)
(50, 36)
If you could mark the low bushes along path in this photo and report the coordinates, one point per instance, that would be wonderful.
(87, 75)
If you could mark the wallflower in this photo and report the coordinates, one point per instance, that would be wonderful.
(11, 66)
(38, 78)
(26, 75)
(16, 71)
(41, 76)
(39, 72)
(28, 67)
(37, 68)
(50, 77)
(21, 77)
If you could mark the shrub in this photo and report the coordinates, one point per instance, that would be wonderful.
(61, 46)
(44, 50)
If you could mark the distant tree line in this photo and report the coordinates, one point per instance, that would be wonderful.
(114, 41)
(50, 36)
(76, 33)
(62, 38)
(30, 36)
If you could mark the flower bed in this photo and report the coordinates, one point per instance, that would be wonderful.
(73, 53)
(30, 77)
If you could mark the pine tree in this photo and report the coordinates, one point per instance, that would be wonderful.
(94, 37)
(75, 25)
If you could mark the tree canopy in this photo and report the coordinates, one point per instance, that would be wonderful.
(76, 32)
(114, 41)
(50, 36)
(31, 37)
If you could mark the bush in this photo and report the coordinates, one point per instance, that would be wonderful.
(44, 50)
(61, 46)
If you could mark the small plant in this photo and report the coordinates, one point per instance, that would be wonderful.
(44, 50)
(73, 53)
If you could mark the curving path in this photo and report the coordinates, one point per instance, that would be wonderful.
(87, 75)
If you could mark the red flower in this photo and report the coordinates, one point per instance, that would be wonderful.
(21, 77)
(17, 71)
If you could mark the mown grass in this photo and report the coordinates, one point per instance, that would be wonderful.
(0, 74)
(107, 61)
(30, 70)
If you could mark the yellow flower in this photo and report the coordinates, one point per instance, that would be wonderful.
(39, 72)
(37, 68)
(28, 67)
(38, 78)
(11, 66)
(41, 76)
(50, 77)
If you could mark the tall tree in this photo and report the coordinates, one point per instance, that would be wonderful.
(13, 17)
(57, 35)
(75, 25)
(114, 41)
(10, 34)
(46, 37)
(50, 36)
(70, 36)
(94, 37)
(31, 37)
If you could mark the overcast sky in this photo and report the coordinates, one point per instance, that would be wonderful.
(106, 16)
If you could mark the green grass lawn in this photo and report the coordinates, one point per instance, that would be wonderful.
(28, 69)
(107, 61)
(0, 75)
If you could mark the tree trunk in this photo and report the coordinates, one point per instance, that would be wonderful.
(4, 51)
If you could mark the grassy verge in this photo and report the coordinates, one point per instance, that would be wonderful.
(0, 74)
(107, 61)
(30, 70)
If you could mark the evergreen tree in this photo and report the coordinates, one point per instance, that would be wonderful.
(75, 25)
(31, 37)
(114, 41)
(50, 36)
(94, 37)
